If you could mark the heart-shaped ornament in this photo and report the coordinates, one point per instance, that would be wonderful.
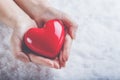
(46, 41)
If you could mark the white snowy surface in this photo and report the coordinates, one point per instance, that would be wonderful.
(95, 54)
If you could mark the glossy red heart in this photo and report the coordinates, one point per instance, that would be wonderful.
(46, 41)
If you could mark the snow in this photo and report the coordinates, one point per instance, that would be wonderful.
(95, 53)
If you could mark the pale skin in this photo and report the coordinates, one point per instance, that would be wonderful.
(22, 15)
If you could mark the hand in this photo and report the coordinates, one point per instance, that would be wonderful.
(41, 13)
(17, 39)
(20, 22)
(19, 51)
(70, 26)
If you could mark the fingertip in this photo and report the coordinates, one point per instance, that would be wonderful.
(66, 59)
(56, 65)
(72, 35)
(41, 60)
(65, 56)
(73, 32)
(22, 57)
(71, 25)
(61, 61)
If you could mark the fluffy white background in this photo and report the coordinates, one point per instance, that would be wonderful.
(95, 54)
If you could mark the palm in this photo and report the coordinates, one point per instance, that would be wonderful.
(17, 50)
(22, 53)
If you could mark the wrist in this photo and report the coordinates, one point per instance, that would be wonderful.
(35, 8)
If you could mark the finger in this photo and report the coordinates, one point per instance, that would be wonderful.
(22, 56)
(44, 61)
(66, 50)
(66, 47)
(70, 24)
(62, 62)
(57, 60)
(40, 22)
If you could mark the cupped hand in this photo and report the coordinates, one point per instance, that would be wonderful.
(39, 11)
(20, 22)
(70, 27)
(24, 55)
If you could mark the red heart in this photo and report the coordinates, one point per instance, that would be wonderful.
(46, 41)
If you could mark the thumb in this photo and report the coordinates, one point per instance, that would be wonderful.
(17, 50)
